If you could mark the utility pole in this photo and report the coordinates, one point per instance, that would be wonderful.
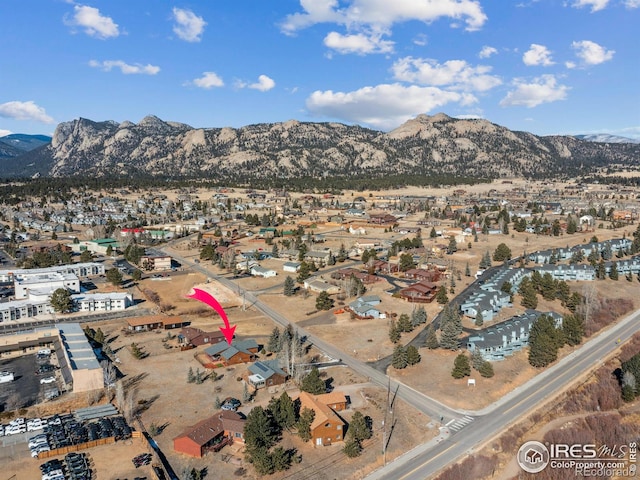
(384, 424)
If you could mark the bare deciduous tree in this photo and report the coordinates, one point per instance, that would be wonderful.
(590, 303)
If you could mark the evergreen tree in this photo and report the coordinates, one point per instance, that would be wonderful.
(441, 296)
(434, 234)
(342, 254)
(283, 411)
(114, 276)
(190, 376)
(289, 286)
(467, 270)
(544, 340)
(431, 342)
(413, 356)
(399, 359)
(548, 287)
(479, 319)
(404, 324)
(461, 366)
(273, 345)
(217, 403)
(613, 271)
(453, 246)
(352, 448)
(394, 332)
(601, 272)
(449, 336)
(136, 275)
(418, 316)
(486, 369)
(280, 459)
(312, 383)
(406, 262)
(573, 329)
(324, 301)
(476, 359)
(304, 272)
(502, 253)
(528, 293)
(359, 428)
(303, 424)
(61, 300)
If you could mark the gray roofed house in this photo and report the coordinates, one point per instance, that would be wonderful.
(364, 307)
(243, 351)
(266, 373)
(506, 338)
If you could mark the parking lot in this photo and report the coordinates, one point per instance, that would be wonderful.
(25, 389)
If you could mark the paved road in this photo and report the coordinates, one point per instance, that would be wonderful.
(427, 460)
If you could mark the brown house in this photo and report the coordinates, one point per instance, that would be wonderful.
(421, 292)
(421, 274)
(266, 373)
(244, 351)
(382, 219)
(327, 427)
(345, 273)
(336, 401)
(196, 337)
(211, 434)
(174, 321)
(146, 323)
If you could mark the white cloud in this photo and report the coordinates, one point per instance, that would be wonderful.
(359, 43)
(632, 3)
(591, 53)
(383, 13)
(544, 89)
(189, 26)
(263, 84)
(570, 64)
(24, 111)
(422, 40)
(4, 133)
(537, 55)
(595, 5)
(208, 80)
(383, 106)
(125, 68)
(487, 51)
(469, 116)
(93, 22)
(457, 74)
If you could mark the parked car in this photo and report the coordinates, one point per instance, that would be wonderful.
(230, 403)
(47, 380)
(44, 351)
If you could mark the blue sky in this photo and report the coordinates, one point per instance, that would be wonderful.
(544, 66)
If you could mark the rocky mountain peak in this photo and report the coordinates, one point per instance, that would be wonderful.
(424, 145)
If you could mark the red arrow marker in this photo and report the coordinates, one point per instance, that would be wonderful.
(207, 298)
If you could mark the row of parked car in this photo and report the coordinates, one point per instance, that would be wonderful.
(22, 425)
(72, 432)
(39, 444)
(76, 466)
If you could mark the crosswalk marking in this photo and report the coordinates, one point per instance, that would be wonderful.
(461, 422)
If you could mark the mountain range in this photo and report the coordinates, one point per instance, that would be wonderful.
(424, 145)
(16, 144)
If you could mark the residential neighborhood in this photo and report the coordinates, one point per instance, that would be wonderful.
(368, 274)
